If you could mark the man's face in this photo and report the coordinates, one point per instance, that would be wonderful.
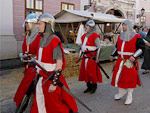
(87, 28)
(27, 26)
(137, 30)
(124, 26)
(41, 26)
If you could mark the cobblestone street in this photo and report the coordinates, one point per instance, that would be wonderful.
(100, 102)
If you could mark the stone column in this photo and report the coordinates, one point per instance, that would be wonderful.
(8, 43)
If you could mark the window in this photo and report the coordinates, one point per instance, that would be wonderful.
(67, 6)
(33, 6)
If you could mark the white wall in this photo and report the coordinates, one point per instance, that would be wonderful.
(8, 44)
(82, 3)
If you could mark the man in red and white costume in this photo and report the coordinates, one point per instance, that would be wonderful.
(50, 98)
(90, 72)
(29, 46)
(125, 76)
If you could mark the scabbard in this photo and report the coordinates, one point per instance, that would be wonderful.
(103, 70)
(94, 58)
(23, 105)
(135, 65)
(70, 93)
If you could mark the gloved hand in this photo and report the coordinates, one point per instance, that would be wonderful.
(55, 80)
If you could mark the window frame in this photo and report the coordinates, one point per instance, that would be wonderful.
(34, 7)
(67, 5)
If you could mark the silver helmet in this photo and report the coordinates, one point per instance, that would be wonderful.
(90, 23)
(32, 18)
(48, 18)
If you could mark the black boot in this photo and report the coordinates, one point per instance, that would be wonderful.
(88, 87)
(93, 88)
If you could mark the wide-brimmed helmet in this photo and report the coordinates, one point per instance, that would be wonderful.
(48, 18)
(90, 23)
(31, 18)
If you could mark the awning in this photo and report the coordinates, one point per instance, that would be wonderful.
(70, 16)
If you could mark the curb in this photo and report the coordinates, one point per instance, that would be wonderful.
(10, 64)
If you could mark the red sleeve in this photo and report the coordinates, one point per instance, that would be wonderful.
(138, 36)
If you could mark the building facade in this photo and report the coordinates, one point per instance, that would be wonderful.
(144, 19)
(122, 8)
(14, 15)
(119, 8)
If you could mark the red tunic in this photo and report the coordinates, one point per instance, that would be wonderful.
(124, 77)
(58, 101)
(29, 70)
(89, 70)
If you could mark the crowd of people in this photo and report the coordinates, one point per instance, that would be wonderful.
(49, 97)
(145, 34)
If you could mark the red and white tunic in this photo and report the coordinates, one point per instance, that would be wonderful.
(29, 73)
(124, 77)
(89, 71)
(58, 101)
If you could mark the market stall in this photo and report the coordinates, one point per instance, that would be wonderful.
(72, 17)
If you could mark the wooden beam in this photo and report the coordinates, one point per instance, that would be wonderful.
(117, 28)
(100, 29)
(73, 33)
(65, 39)
(66, 32)
(78, 27)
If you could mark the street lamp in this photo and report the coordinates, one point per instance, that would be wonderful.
(142, 12)
(88, 6)
(91, 2)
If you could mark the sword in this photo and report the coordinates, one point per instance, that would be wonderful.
(70, 93)
(36, 63)
(113, 65)
(102, 70)
(93, 57)
(24, 103)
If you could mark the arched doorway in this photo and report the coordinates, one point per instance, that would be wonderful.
(117, 13)
(111, 27)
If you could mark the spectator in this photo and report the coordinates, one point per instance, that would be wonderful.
(136, 28)
(143, 33)
(146, 62)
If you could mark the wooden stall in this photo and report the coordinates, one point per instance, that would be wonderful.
(72, 17)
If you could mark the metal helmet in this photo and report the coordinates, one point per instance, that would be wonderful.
(90, 23)
(31, 18)
(48, 18)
